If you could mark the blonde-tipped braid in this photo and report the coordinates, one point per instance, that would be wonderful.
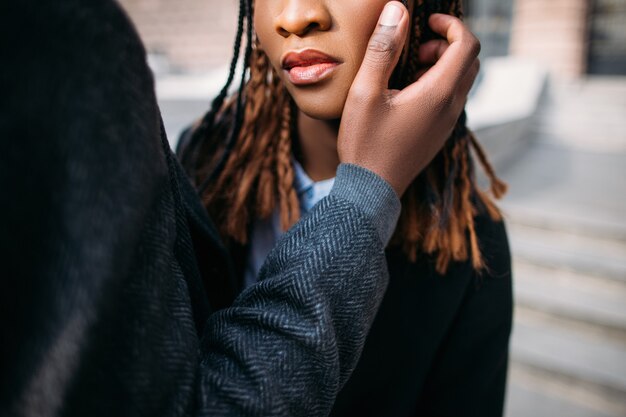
(439, 208)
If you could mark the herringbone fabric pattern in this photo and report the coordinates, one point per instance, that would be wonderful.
(314, 286)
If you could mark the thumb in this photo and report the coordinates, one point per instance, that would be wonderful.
(384, 48)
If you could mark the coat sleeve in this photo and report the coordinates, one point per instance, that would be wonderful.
(81, 171)
(289, 343)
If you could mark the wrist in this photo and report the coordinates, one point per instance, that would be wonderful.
(370, 193)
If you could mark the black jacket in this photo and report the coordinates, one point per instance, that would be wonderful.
(439, 344)
(111, 269)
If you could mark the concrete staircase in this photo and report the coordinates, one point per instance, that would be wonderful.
(587, 114)
(567, 225)
(569, 341)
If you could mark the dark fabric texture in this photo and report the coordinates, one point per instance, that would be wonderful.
(439, 344)
(114, 281)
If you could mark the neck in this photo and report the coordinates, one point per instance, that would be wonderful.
(318, 146)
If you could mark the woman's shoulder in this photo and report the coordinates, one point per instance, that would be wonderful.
(494, 242)
(185, 138)
(213, 139)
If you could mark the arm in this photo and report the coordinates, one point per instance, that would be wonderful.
(320, 289)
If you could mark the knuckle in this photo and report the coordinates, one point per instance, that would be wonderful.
(473, 45)
(361, 94)
(388, 101)
(444, 101)
(447, 102)
(382, 45)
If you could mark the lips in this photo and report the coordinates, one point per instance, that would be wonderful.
(308, 66)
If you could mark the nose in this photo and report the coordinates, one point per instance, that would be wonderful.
(300, 17)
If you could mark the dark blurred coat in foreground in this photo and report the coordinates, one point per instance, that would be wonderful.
(105, 309)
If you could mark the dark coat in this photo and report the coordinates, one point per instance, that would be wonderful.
(439, 344)
(111, 270)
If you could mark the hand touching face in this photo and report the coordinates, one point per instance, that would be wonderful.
(317, 47)
(396, 133)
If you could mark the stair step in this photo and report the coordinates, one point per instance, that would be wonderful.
(601, 227)
(570, 353)
(572, 251)
(590, 123)
(568, 294)
(533, 392)
(570, 123)
(560, 188)
(565, 216)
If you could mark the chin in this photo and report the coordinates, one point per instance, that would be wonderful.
(320, 107)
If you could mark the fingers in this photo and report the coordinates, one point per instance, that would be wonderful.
(463, 47)
(430, 52)
(452, 60)
(383, 50)
(468, 81)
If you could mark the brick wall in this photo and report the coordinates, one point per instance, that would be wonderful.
(193, 35)
(554, 32)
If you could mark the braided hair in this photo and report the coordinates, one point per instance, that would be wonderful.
(251, 173)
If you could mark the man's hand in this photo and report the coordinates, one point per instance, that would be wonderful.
(396, 133)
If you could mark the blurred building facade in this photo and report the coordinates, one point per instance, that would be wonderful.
(572, 38)
(185, 35)
(491, 21)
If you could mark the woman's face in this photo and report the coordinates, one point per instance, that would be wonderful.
(316, 46)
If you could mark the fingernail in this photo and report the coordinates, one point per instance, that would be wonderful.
(391, 15)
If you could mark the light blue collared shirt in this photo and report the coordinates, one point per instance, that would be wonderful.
(265, 233)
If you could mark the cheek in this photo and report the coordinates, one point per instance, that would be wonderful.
(267, 36)
(262, 19)
(357, 32)
(353, 23)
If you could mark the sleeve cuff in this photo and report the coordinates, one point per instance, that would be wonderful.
(371, 194)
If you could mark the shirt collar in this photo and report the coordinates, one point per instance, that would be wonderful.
(302, 182)
(308, 191)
